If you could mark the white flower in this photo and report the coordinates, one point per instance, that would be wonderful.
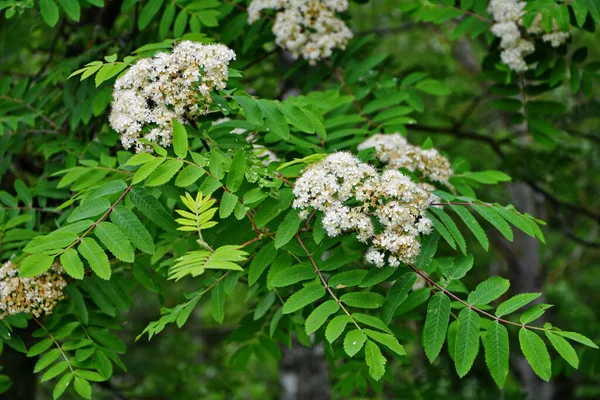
(307, 28)
(508, 15)
(394, 150)
(156, 91)
(36, 295)
(352, 195)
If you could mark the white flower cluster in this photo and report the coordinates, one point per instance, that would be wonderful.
(307, 28)
(352, 194)
(169, 86)
(395, 151)
(37, 295)
(508, 15)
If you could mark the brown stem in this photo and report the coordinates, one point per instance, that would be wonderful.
(318, 271)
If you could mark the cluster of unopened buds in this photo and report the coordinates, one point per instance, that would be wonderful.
(307, 28)
(166, 87)
(508, 26)
(36, 295)
(352, 195)
(394, 150)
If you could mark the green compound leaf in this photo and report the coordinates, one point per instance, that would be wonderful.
(115, 241)
(467, 341)
(317, 318)
(96, 257)
(354, 341)
(495, 344)
(303, 297)
(436, 325)
(375, 360)
(536, 353)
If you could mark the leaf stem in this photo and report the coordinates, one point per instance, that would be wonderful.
(318, 271)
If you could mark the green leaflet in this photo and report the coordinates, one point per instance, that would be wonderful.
(514, 303)
(275, 121)
(217, 297)
(287, 229)
(317, 318)
(72, 264)
(264, 305)
(115, 241)
(35, 264)
(578, 337)
(131, 226)
(261, 261)
(189, 175)
(441, 229)
(295, 274)
(363, 299)
(471, 223)
(563, 348)
(39, 347)
(297, 117)
(146, 169)
(62, 385)
(336, 327)
(436, 325)
(96, 257)
(495, 344)
(387, 340)
(164, 173)
(271, 207)
(536, 353)
(180, 139)
(459, 267)
(235, 177)
(152, 208)
(251, 109)
(303, 297)
(375, 360)
(89, 209)
(492, 216)
(488, 291)
(353, 277)
(452, 228)
(533, 313)
(52, 241)
(354, 341)
(397, 294)
(429, 246)
(83, 388)
(467, 341)
(45, 360)
(371, 321)
(228, 203)
(106, 189)
(49, 11)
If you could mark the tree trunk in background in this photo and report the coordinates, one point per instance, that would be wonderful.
(526, 276)
(303, 373)
(19, 368)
